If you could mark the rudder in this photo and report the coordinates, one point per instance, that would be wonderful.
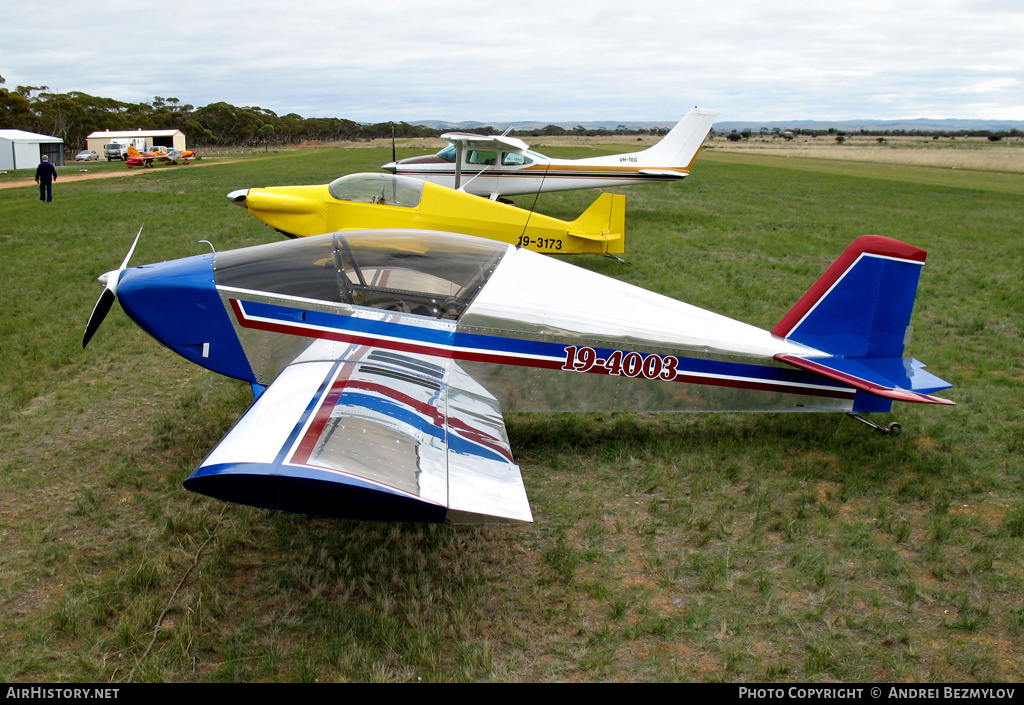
(858, 313)
(860, 307)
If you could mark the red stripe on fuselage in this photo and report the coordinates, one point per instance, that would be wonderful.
(511, 359)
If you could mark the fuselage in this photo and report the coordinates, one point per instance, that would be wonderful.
(500, 166)
(551, 175)
(523, 325)
(365, 201)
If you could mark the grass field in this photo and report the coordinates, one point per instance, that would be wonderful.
(682, 547)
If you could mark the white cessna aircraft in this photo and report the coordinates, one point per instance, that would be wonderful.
(497, 165)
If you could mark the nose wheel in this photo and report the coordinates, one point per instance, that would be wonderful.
(893, 429)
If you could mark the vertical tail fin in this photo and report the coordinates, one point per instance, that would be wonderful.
(607, 216)
(679, 147)
(858, 312)
(860, 307)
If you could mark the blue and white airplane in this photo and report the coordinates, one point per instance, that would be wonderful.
(381, 361)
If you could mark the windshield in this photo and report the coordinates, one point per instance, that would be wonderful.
(408, 271)
(448, 153)
(385, 189)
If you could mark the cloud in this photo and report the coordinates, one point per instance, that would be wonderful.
(460, 60)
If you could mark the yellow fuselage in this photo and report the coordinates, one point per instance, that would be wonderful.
(300, 211)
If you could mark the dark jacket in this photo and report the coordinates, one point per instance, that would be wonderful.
(45, 173)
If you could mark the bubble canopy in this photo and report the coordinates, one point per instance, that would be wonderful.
(410, 271)
(384, 189)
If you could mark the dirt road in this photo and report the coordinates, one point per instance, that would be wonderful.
(64, 176)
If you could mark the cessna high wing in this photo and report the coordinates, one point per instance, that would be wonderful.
(501, 166)
(381, 361)
(157, 154)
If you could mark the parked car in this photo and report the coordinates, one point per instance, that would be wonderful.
(87, 155)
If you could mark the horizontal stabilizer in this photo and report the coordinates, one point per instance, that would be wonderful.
(664, 173)
(901, 380)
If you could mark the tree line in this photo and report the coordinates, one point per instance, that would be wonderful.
(74, 115)
(881, 133)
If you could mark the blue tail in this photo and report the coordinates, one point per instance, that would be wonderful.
(858, 313)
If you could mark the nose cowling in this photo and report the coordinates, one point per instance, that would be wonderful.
(178, 304)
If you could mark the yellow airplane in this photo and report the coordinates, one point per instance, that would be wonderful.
(370, 201)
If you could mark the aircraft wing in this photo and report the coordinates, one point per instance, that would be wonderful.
(494, 143)
(359, 432)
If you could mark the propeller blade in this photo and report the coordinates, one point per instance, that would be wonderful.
(99, 312)
(124, 265)
(109, 295)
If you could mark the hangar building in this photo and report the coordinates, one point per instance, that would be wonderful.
(172, 139)
(24, 150)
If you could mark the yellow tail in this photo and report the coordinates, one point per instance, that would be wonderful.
(132, 152)
(604, 220)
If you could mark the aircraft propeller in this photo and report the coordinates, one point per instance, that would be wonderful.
(109, 295)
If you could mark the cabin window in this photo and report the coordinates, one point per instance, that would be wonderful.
(448, 153)
(515, 160)
(479, 156)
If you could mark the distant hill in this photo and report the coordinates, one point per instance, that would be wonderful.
(499, 126)
(919, 124)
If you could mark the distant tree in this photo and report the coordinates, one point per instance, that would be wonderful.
(840, 139)
(734, 136)
(15, 110)
(266, 134)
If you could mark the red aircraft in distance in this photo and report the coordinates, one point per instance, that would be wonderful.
(157, 154)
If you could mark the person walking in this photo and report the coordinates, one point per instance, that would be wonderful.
(46, 174)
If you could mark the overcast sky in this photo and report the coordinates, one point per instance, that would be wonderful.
(533, 59)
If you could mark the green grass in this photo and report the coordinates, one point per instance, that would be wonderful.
(710, 548)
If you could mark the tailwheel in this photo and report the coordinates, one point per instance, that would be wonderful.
(893, 429)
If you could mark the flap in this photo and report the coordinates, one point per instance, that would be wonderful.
(359, 432)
